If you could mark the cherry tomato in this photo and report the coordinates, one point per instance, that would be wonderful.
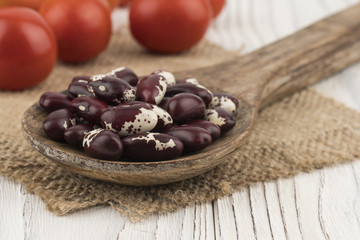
(22, 3)
(82, 27)
(169, 26)
(216, 6)
(28, 48)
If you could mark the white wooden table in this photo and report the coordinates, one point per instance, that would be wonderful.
(324, 204)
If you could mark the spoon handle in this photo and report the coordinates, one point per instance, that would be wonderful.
(292, 63)
(312, 54)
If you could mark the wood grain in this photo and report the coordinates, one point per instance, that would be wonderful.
(251, 23)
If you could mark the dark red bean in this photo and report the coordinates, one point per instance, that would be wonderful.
(78, 86)
(74, 135)
(138, 103)
(89, 108)
(151, 89)
(103, 144)
(52, 101)
(212, 129)
(67, 93)
(220, 117)
(125, 74)
(186, 106)
(129, 119)
(227, 102)
(57, 122)
(198, 90)
(164, 103)
(193, 138)
(152, 147)
(112, 90)
(169, 77)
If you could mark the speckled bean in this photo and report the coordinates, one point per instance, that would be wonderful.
(78, 86)
(112, 90)
(169, 77)
(103, 144)
(125, 74)
(152, 147)
(89, 108)
(220, 117)
(227, 102)
(57, 122)
(190, 80)
(129, 119)
(74, 135)
(151, 89)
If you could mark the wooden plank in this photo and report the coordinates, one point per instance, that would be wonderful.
(243, 216)
(225, 225)
(259, 212)
(11, 222)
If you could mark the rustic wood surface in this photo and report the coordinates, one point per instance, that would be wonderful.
(324, 204)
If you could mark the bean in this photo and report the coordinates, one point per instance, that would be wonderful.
(125, 74)
(112, 90)
(220, 117)
(164, 103)
(103, 144)
(151, 89)
(52, 101)
(193, 138)
(57, 122)
(78, 86)
(190, 80)
(197, 89)
(165, 120)
(169, 77)
(129, 119)
(227, 102)
(186, 106)
(89, 108)
(152, 147)
(212, 128)
(74, 135)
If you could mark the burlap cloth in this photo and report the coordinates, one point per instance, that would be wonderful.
(300, 133)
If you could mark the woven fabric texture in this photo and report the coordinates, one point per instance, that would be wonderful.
(299, 133)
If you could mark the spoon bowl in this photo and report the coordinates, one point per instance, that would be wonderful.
(133, 173)
(256, 79)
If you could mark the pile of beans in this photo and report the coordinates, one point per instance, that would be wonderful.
(115, 116)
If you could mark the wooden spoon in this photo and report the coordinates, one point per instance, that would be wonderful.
(257, 79)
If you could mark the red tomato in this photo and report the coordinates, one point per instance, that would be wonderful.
(28, 49)
(169, 26)
(23, 3)
(82, 27)
(217, 6)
